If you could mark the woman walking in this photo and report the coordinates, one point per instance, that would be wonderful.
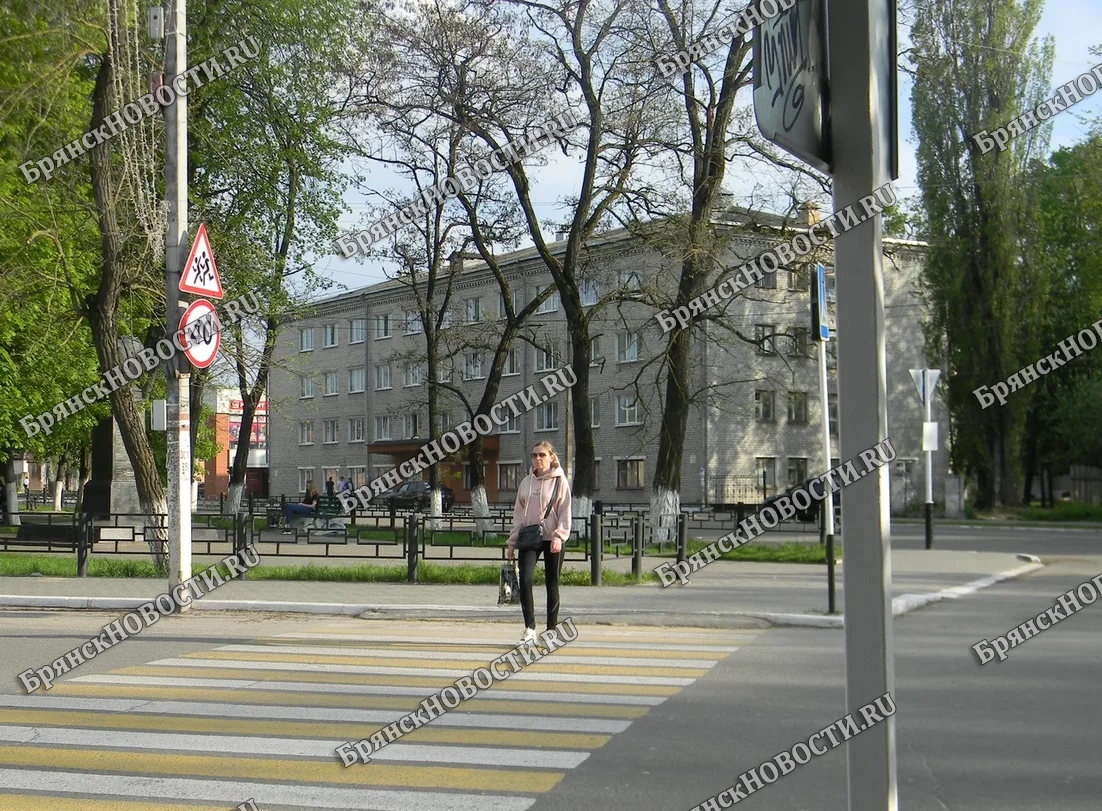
(543, 501)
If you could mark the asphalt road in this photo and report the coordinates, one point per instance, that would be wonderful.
(1040, 541)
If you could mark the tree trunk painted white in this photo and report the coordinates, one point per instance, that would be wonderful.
(665, 504)
(195, 496)
(232, 504)
(480, 506)
(59, 490)
(436, 510)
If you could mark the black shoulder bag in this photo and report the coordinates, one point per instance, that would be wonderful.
(529, 538)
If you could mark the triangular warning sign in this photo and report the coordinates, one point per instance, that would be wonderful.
(199, 275)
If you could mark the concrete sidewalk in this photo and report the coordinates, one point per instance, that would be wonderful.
(724, 594)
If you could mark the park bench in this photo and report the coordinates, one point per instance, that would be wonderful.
(328, 517)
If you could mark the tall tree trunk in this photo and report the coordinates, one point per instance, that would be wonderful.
(102, 312)
(84, 472)
(250, 401)
(11, 490)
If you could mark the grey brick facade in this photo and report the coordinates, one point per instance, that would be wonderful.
(725, 440)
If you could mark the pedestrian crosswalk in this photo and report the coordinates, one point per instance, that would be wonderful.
(211, 729)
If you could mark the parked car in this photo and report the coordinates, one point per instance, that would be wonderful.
(415, 496)
(809, 515)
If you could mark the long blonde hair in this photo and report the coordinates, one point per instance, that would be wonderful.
(551, 452)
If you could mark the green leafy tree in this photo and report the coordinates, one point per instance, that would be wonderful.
(977, 67)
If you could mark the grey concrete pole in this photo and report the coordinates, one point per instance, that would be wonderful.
(176, 246)
(828, 502)
(928, 393)
(860, 34)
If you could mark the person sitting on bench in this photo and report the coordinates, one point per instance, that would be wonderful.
(309, 503)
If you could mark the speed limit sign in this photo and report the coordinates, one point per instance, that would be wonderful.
(201, 333)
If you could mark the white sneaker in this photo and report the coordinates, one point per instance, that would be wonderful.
(529, 637)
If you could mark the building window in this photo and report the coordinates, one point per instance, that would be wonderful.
(468, 482)
(765, 336)
(765, 406)
(595, 351)
(306, 339)
(358, 475)
(768, 281)
(627, 347)
(546, 359)
(832, 411)
(797, 406)
(357, 330)
(799, 280)
(629, 410)
(588, 292)
(766, 467)
(329, 333)
(551, 303)
(512, 363)
(501, 311)
(472, 366)
(444, 371)
(414, 374)
(474, 310)
(444, 422)
(596, 474)
(305, 478)
(797, 471)
(508, 475)
(512, 424)
(382, 377)
(798, 342)
(357, 379)
(329, 432)
(356, 429)
(410, 426)
(595, 412)
(306, 432)
(382, 326)
(629, 474)
(412, 324)
(629, 279)
(382, 427)
(547, 417)
(331, 384)
(305, 388)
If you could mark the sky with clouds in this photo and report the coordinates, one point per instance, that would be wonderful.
(1075, 25)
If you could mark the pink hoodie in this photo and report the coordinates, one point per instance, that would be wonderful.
(532, 497)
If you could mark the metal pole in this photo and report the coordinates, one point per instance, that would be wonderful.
(861, 32)
(828, 502)
(176, 241)
(596, 548)
(637, 549)
(928, 397)
(682, 538)
(411, 547)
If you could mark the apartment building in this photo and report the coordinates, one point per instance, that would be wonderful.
(348, 394)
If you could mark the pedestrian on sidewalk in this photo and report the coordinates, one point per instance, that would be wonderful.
(543, 498)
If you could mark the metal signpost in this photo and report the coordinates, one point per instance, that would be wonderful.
(820, 329)
(858, 146)
(925, 381)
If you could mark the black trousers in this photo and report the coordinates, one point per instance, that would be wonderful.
(552, 565)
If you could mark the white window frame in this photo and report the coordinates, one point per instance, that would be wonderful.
(362, 370)
(595, 412)
(765, 338)
(411, 324)
(793, 397)
(379, 367)
(380, 421)
(519, 474)
(512, 423)
(761, 398)
(770, 480)
(383, 328)
(514, 294)
(306, 339)
(627, 347)
(473, 362)
(472, 308)
(588, 292)
(357, 326)
(413, 375)
(305, 387)
(334, 378)
(512, 363)
(622, 410)
(551, 304)
(330, 336)
(411, 425)
(305, 475)
(795, 480)
(353, 434)
(545, 360)
(542, 411)
(358, 475)
(306, 432)
(330, 431)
